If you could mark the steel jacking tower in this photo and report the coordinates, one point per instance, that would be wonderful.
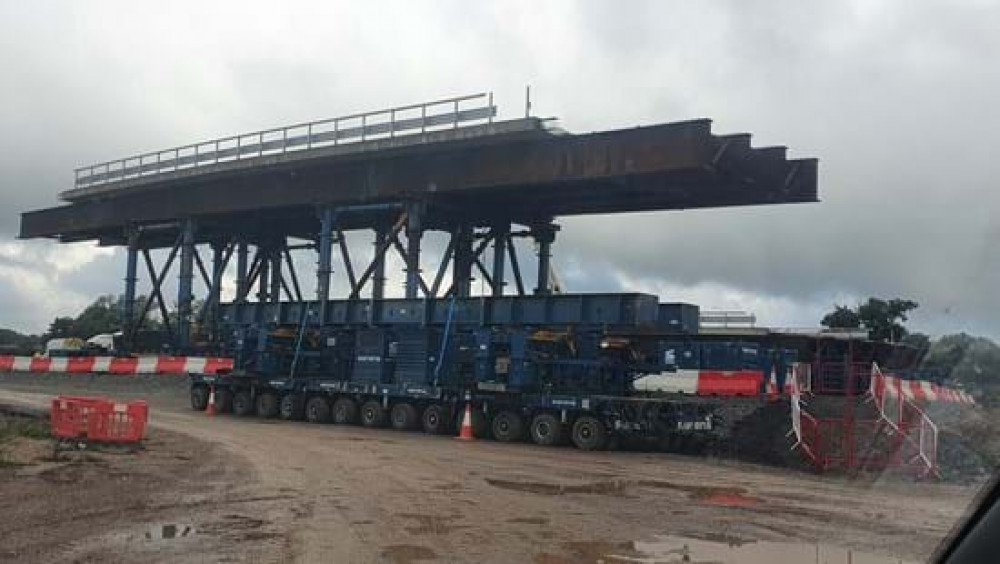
(448, 166)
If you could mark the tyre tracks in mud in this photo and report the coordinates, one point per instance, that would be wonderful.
(350, 494)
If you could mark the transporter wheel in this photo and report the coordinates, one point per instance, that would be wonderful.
(508, 426)
(546, 430)
(372, 414)
(435, 420)
(243, 403)
(268, 405)
(291, 407)
(223, 400)
(199, 398)
(345, 411)
(403, 417)
(317, 410)
(589, 433)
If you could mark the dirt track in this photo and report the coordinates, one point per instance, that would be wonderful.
(347, 494)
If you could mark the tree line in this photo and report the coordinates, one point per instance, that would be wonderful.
(973, 362)
(103, 315)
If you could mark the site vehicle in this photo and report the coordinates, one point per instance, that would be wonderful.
(550, 367)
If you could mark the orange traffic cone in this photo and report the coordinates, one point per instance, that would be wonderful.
(772, 386)
(210, 409)
(466, 432)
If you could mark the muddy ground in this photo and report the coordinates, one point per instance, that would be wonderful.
(113, 504)
(254, 490)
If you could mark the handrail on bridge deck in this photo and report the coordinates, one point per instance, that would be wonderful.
(354, 128)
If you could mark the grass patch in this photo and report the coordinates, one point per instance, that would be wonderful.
(14, 427)
(26, 427)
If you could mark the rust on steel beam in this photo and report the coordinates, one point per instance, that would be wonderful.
(662, 167)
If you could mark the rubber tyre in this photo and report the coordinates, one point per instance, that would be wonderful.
(372, 414)
(268, 405)
(508, 426)
(435, 420)
(243, 404)
(317, 410)
(589, 433)
(345, 411)
(291, 408)
(546, 430)
(403, 417)
(223, 400)
(479, 424)
(199, 398)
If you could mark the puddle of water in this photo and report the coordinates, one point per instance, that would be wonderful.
(169, 531)
(671, 549)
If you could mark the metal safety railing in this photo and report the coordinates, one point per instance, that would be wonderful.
(901, 435)
(343, 130)
(905, 418)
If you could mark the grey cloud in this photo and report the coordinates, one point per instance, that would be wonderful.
(896, 99)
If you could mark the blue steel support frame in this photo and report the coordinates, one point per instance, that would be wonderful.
(544, 236)
(500, 234)
(414, 231)
(263, 273)
(219, 259)
(275, 257)
(461, 271)
(378, 274)
(184, 285)
(242, 252)
(128, 306)
(325, 267)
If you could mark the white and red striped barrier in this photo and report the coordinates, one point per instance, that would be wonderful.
(924, 391)
(116, 365)
(704, 382)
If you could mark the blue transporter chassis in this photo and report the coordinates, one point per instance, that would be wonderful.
(588, 421)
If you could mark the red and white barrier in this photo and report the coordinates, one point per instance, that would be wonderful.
(116, 365)
(704, 382)
(924, 391)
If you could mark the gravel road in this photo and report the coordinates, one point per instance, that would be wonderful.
(350, 494)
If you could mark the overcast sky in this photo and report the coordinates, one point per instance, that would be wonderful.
(898, 100)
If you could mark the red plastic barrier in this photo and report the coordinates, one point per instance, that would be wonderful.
(79, 365)
(730, 382)
(98, 419)
(214, 365)
(123, 365)
(69, 415)
(121, 423)
(171, 364)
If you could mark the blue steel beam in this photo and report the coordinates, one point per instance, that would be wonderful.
(184, 284)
